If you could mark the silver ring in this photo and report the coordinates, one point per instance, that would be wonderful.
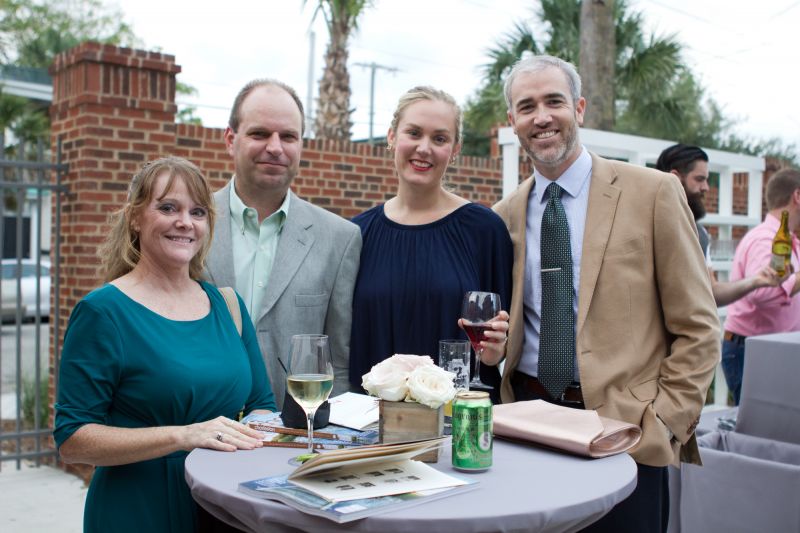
(219, 436)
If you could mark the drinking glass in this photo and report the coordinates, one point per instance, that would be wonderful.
(310, 378)
(454, 357)
(478, 309)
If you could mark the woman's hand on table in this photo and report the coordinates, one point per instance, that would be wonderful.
(494, 347)
(220, 433)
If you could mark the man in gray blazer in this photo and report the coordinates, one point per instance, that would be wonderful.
(293, 264)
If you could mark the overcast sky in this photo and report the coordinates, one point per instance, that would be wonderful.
(746, 54)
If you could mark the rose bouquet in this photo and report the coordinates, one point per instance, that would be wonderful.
(410, 378)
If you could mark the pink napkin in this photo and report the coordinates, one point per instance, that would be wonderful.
(578, 431)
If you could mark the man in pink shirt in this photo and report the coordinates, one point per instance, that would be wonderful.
(768, 309)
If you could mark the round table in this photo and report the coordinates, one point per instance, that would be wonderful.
(527, 489)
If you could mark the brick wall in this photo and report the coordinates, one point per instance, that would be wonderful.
(113, 108)
(345, 178)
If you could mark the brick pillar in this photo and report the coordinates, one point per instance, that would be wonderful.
(114, 109)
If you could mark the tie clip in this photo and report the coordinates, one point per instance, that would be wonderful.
(557, 269)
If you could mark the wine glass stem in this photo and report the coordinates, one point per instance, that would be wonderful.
(310, 422)
(478, 356)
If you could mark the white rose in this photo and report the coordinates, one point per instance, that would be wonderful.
(387, 380)
(431, 386)
(409, 362)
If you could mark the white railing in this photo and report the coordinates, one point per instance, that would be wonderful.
(644, 151)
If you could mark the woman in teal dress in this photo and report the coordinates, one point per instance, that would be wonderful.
(153, 365)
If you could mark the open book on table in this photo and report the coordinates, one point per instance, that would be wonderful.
(348, 484)
(577, 431)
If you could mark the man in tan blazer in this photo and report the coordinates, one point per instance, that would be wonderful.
(646, 333)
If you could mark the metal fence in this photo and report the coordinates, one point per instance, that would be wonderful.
(30, 213)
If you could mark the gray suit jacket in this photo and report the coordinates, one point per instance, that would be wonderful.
(310, 288)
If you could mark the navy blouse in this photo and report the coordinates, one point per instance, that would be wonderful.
(412, 280)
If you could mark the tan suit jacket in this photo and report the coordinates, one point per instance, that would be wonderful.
(647, 332)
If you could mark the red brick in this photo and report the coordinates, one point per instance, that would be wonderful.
(146, 125)
(331, 157)
(115, 145)
(115, 122)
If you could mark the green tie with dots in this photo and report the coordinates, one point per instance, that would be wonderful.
(557, 331)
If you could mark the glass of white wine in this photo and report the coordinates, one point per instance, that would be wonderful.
(310, 378)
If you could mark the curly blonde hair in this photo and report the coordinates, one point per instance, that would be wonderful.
(120, 252)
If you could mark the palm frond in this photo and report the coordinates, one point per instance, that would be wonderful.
(649, 69)
(508, 51)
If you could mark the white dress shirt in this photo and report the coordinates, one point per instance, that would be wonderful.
(575, 199)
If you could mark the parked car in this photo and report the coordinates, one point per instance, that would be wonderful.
(28, 282)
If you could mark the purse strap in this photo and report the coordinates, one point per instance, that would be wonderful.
(233, 306)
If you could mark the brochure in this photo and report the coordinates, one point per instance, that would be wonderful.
(279, 488)
(348, 484)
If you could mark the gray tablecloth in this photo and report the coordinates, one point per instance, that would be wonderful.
(770, 403)
(746, 484)
(527, 489)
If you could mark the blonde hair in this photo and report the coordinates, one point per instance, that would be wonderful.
(120, 252)
(425, 92)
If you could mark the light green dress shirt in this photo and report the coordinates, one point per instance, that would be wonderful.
(254, 246)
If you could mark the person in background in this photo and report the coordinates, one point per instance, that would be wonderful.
(294, 264)
(690, 164)
(612, 307)
(152, 365)
(425, 247)
(768, 309)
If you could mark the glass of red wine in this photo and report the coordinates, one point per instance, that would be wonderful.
(478, 309)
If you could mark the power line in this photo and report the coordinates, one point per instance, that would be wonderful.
(730, 54)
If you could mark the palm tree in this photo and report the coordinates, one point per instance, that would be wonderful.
(597, 55)
(646, 69)
(333, 105)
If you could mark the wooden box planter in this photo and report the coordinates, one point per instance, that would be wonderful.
(403, 421)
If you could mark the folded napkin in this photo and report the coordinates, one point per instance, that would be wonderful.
(578, 431)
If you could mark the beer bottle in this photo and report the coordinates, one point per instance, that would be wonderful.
(782, 247)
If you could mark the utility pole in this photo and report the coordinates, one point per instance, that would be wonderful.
(310, 91)
(373, 67)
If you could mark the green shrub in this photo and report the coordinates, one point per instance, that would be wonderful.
(29, 402)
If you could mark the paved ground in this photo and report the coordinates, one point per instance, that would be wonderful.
(43, 499)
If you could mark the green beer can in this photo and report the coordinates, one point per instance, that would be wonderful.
(472, 431)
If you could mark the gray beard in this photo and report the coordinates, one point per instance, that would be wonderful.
(562, 154)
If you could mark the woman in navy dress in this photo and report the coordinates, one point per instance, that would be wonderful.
(153, 365)
(424, 248)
